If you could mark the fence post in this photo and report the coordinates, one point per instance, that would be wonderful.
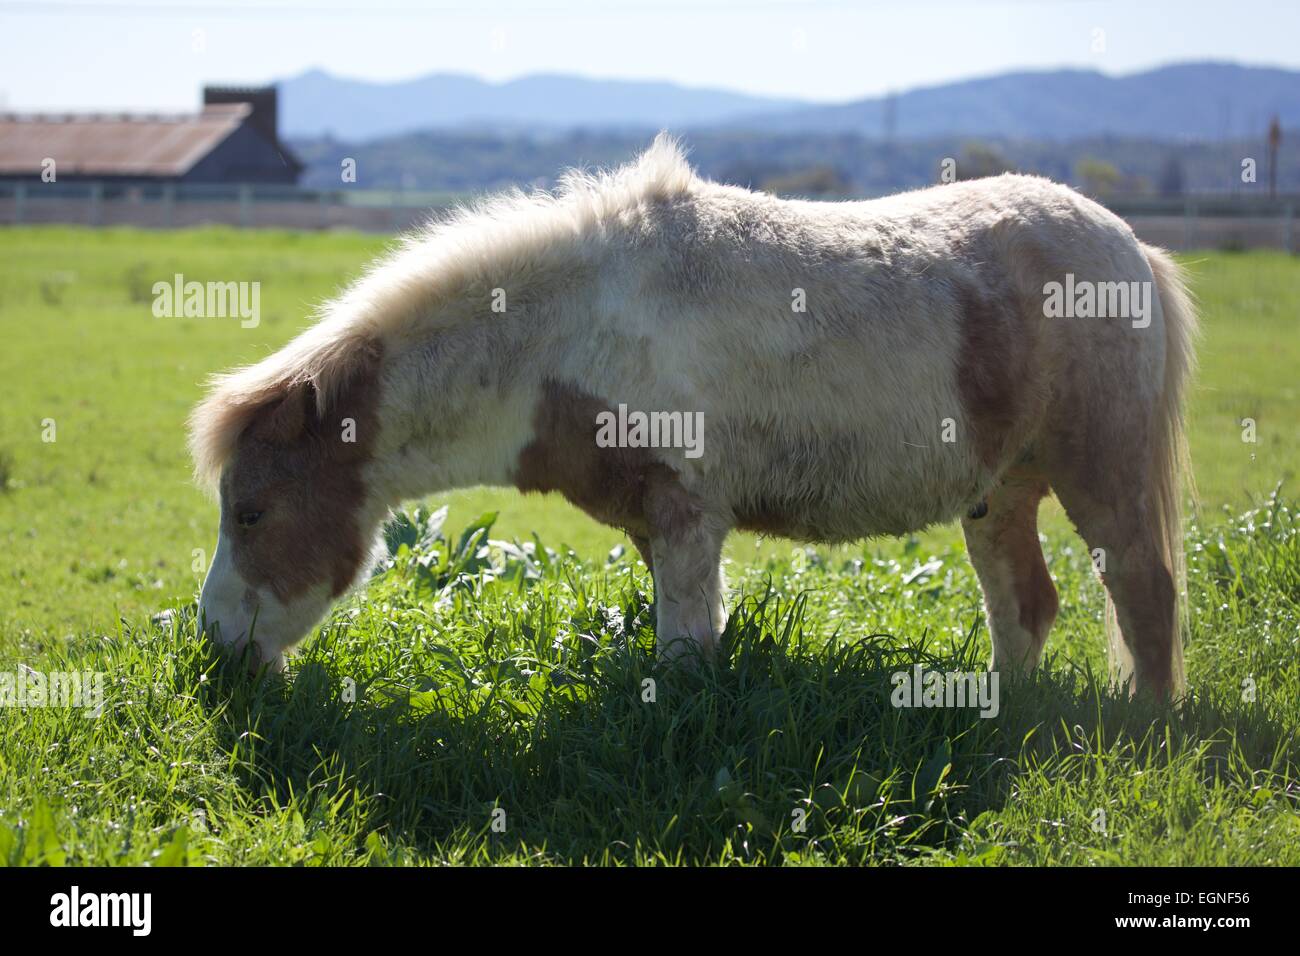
(20, 201)
(1288, 227)
(96, 201)
(245, 204)
(1189, 221)
(168, 197)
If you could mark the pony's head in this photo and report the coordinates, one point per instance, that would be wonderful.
(286, 444)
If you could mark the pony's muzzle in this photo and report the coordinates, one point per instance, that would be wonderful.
(235, 641)
(228, 611)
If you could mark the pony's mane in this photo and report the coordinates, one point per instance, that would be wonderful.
(484, 244)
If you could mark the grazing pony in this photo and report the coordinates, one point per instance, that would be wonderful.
(855, 369)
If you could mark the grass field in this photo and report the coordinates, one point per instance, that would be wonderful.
(478, 705)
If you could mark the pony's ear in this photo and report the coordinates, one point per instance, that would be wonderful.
(285, 419)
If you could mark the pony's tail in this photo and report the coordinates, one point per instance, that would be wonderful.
(1171, 474)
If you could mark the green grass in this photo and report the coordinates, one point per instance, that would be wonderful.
(471, 677)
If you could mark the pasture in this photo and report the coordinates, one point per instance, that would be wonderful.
(490, 696)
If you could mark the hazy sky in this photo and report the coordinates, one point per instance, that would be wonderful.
(151, 54)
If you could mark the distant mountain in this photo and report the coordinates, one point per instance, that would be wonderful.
(1191, 100)
(317, 103)
(1187, 101)
(459, 162)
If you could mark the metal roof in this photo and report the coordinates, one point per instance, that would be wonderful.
(115, 145)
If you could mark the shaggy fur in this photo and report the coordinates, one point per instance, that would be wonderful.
(921, 379)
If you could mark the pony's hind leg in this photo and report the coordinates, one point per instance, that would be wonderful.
(1019, 596)
(1123, 535)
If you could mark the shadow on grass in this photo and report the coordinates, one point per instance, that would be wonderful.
(777, 753)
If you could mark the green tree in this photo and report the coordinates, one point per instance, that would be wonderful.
(979, 160)
(1098, 177)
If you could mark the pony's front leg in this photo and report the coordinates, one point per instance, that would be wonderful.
(686, 547)
(643, 546)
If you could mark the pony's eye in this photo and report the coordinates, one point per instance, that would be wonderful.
(249, 518)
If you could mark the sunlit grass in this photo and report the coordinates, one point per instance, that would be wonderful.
(474, 684)
(483, 701)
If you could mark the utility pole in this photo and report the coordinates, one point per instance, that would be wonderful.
(1274, 141)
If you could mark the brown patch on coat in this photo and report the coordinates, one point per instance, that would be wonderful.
(1092, 444)
(293, 464)
(628, 488)
(992, 373)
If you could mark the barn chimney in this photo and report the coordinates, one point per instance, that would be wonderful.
(263, 100)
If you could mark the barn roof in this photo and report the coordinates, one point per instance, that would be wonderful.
(115, 145)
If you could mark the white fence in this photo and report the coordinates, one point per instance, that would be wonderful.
(1193, 222)
(174, 206)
